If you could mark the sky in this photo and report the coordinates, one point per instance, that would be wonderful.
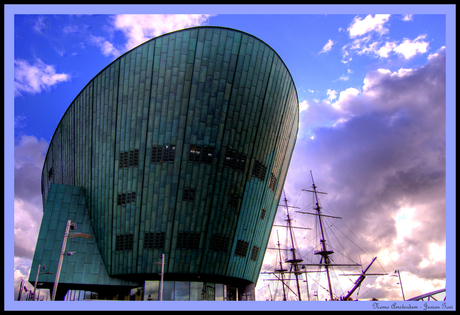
(377, 119)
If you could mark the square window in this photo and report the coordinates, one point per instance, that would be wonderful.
(189, 195)
(241, 248)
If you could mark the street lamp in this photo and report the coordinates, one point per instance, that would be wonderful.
(40, 273)
(400, 283)
(73, 226)
(162, 274)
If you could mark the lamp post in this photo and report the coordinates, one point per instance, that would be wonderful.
(162, 274)
(400, 283)
(72, 226)
(36, 279)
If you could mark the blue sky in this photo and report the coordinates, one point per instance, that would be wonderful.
(372, 95)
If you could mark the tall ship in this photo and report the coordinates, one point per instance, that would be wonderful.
(308, 265)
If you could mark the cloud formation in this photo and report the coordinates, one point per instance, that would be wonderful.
(370, 23)
(363, 31)
(29, 154)
(34, 78)
(139, 28)
(327, 47)
(386, 145)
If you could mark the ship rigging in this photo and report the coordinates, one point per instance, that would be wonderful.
(293, 269)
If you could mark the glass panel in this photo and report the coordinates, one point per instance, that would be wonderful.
(182, 291)
(196, 291)
(168, 290)
(90, 295)
(151, 290)
(135, 294)
(219, 292)
(231, 293)
(208, 289)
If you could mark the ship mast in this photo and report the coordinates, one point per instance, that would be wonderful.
(281, 270)
(294, 261)
(323, 252)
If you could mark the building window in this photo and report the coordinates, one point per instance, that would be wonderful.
(163, 154)
(241, 248)
(200, 154)
(262, 214)
(193, 291)
(189, 195)
(168, 154)
(124, 242)
(188, 241)
(219, 243)
(130, 158)
(126, 198)
(259, 170)
(154, 240)
(235, 160)
(50, 173)
(272, 182)
(254, 253)
(233, 203)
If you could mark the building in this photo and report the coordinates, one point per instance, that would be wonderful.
(178, 147)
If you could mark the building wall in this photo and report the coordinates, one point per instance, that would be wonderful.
(130, 139)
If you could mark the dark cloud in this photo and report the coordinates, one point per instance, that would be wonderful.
(29, 154)
(386, 152)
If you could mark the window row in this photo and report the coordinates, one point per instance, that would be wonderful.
(201, 154)
(235, 160)
(272, 182)
(197, 154)
(188, 195)
(154, 240)
(126, 198)
(259, 171)
(163, 154)
(189, 291)
(130, 158)
(218, 243)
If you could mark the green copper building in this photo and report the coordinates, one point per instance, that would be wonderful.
(179, 147)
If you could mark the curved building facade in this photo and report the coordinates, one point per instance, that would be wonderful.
(179, 147)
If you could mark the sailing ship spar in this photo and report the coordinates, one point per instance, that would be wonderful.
(294, 260)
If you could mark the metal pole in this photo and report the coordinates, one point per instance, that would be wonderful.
(20, 290)
(306, 281)
(162, 273)
(323, 240)
(58, 272)
(400, 283)
(36, 280)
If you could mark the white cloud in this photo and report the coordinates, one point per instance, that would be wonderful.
(331, 94)
(407, 17)
(303, 106)
(35, 78)
(409, 48)
(364, 46)
(345, 96)
(327, 47)
(140, 27)
(369, 24)
(384, 51)
(106, 47)
(39, 24)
